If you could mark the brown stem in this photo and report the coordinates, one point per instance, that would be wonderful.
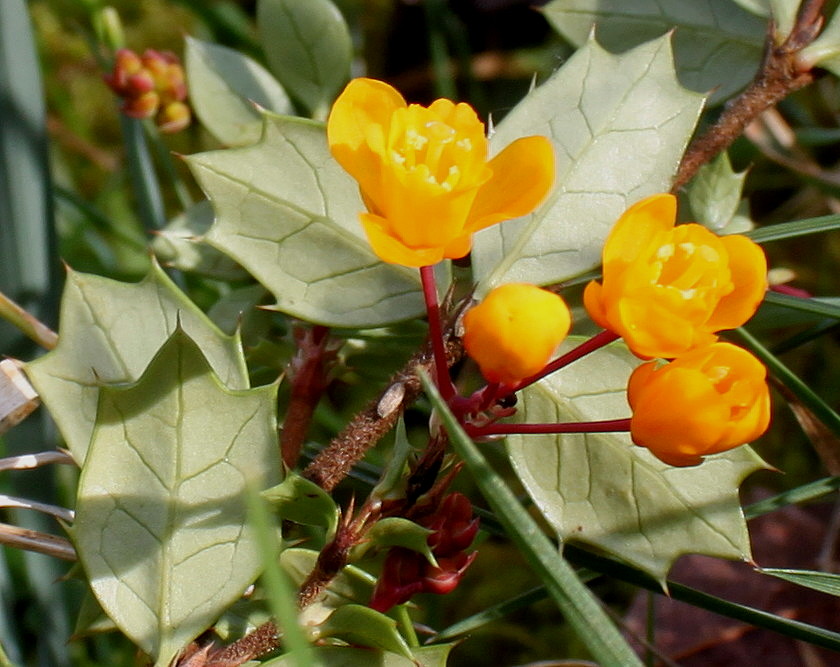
(309, 381)
(779, 75)
(263, 640)
(375, 420)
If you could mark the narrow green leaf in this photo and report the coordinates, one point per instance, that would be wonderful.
(308, 47)
(789, 230)
(825, 582)
(224, 86)
(619, 125)
(601, 489)
(362, 626)
(717, 45)
(141, 169)
(304, 502)
(800, 494)
(823, 307)
(109, 333)
(288, 213)
(578, 604)
(161, 524)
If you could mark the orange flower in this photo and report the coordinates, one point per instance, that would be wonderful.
(424, 174)
(704, 402)
(670, 289)
(512, 334)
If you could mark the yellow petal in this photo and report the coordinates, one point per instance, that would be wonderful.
(638, 227)
(390, 249)
(748, 267)
(364, 104)
(593, 302)
(523, 175)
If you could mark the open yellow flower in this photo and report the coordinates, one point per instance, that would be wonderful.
(704, 402)
(512, 334)
(670, 289)
(424, 174)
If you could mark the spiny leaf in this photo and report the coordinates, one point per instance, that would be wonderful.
(288, 213)
(619, 125)
(161, 524)
(717, 45)
(109, 332)
(714, 195)
(343, 656)
(602, 490)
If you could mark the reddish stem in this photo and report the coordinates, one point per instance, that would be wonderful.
(606, 426)
(597, 341)
(443, 379)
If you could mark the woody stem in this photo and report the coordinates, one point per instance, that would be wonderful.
(444, 382)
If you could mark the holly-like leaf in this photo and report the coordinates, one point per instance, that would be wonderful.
(225, 85)
(109, 332)
(341, 656)
(308, 47)
(602, 490)
(717, 45)
(715, 196)
(396, 531)
(299, 500)
(161, 527)
(288, 213)
(363, 626)
(619, 125)
(179, 245)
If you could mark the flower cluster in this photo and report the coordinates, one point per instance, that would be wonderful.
(151, 86)
(406, 573)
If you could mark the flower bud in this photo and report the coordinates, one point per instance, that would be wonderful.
(141, 106)
(706, 401)
(173, 117)
(512, 334)
(670, 289)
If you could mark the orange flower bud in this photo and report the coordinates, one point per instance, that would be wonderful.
(670, 289)
(424, 174)
(144, 105)
(173, 117)
(512, 334)
(706, 401)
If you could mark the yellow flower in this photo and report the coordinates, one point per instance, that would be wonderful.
(424, 174)
(512, 334)
(704, 402)
(670, 289)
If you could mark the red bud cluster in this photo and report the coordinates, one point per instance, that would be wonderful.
(406, 572)
(151, 86)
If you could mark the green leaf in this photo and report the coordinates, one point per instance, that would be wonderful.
(109, 333)
(362, 626)
(352, 585)
(825, 582)
(619, 125)
(224, 86)
(789, 230)
(304, 502)
(393, 480)
(288, 213)
(717, 45)
(577, 603)
(179, 245)
(602, 490)
(397, 532)
(339, 656)
(161, 524)
(715, 195)
(308, 47)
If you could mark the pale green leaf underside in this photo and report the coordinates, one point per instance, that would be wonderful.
(308, 47)
(715, 194)
(288, 213)
(619, 125)
(109, 332)
(717, 45)
(161, 525)
(224, 86)
(602, 490)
